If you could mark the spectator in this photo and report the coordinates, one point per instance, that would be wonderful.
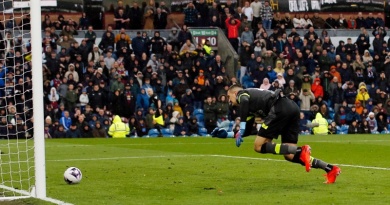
(203, 12)
(118, 129)
(173, 39)
(322, 128)
(381, 119)
(372, 123)
(71, 98)
(318, 22)
(121, 19)
(98, 131)
(303, 124)
(332, 128)
(190, 15)
(232, 26)
(181, 128)
(354, 128)
(364, 127)
(160, 19)
(65, 120)
(193, 127)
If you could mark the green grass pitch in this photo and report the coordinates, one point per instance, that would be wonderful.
(214, 171)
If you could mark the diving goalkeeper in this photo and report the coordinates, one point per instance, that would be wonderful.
(281, 117)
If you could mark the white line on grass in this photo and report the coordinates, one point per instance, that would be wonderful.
(205, 155)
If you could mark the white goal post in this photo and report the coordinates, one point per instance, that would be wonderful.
(22, 156)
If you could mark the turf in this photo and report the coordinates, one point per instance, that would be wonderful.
(214, 171)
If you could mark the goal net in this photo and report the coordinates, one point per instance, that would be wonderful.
(21, 146)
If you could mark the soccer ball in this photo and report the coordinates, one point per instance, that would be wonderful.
(73, 175)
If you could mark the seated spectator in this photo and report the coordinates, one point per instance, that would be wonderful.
(141, 129)
(381, 119)
(354, 128)
(304, 129)
(65, 120)
(193, 127)
(98, 131)
(73, 132)
(118, 129)
(265, 85)
(353, 116)
(332, 128)
(59, 132)
(364, 127)
(372, 123)
(188, 47)
(180, 128)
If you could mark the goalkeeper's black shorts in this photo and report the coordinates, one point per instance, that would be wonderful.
(282, 120)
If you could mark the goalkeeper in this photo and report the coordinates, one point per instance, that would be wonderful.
(281, 117)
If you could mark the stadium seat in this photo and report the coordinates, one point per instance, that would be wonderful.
(375, 132)
(385, 132)
(166, 132)
(329, 121)
(198, 111)
(200, 117)
(331, 115)
(246, 79)
(249, 84)
(203, 131)
(153, 133)
(201, 124)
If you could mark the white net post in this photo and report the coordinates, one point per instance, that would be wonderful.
(39, 139)
(22, 149)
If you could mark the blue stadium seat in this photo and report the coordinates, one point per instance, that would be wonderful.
(385, 132)
(331, 115)
(330, 121)
(201, 124)
(198, 111)
(375, 132)
(166, 132)
(248, 84)
(153, 133)
(331, 109)
(344, 128)
(246, 79)
(202, 131)
(200, 117)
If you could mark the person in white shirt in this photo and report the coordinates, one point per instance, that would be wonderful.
(248, 11)
(256, 7)
(297, 22)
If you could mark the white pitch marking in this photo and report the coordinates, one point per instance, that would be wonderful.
(195, 155)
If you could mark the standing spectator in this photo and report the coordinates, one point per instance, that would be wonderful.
(90, 37)
(118, 129)
(267, 14)
(318, 22)
(97, 97)
(317, 88)
(247, 10)
(157, 45)
(84, 100)
(232, 26)
(184, 35)
(148, 19)
(173, 39)
(136, 16)
(209, 114)
(84, 22)
(203, 12)
(190, 15)
(121, 19)
(160, 19)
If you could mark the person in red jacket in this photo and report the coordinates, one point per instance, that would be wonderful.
(233, 26)
(317, 88)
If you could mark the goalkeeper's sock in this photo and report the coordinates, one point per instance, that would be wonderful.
(319, 164)
(280, 149)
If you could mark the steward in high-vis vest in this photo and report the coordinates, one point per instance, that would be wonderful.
(118, 129)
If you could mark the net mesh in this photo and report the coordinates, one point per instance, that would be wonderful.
(16, 122)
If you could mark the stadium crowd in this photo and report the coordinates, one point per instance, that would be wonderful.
(171, 86)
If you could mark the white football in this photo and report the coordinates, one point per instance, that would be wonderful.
(73, 175)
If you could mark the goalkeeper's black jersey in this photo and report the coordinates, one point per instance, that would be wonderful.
(255, 102)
